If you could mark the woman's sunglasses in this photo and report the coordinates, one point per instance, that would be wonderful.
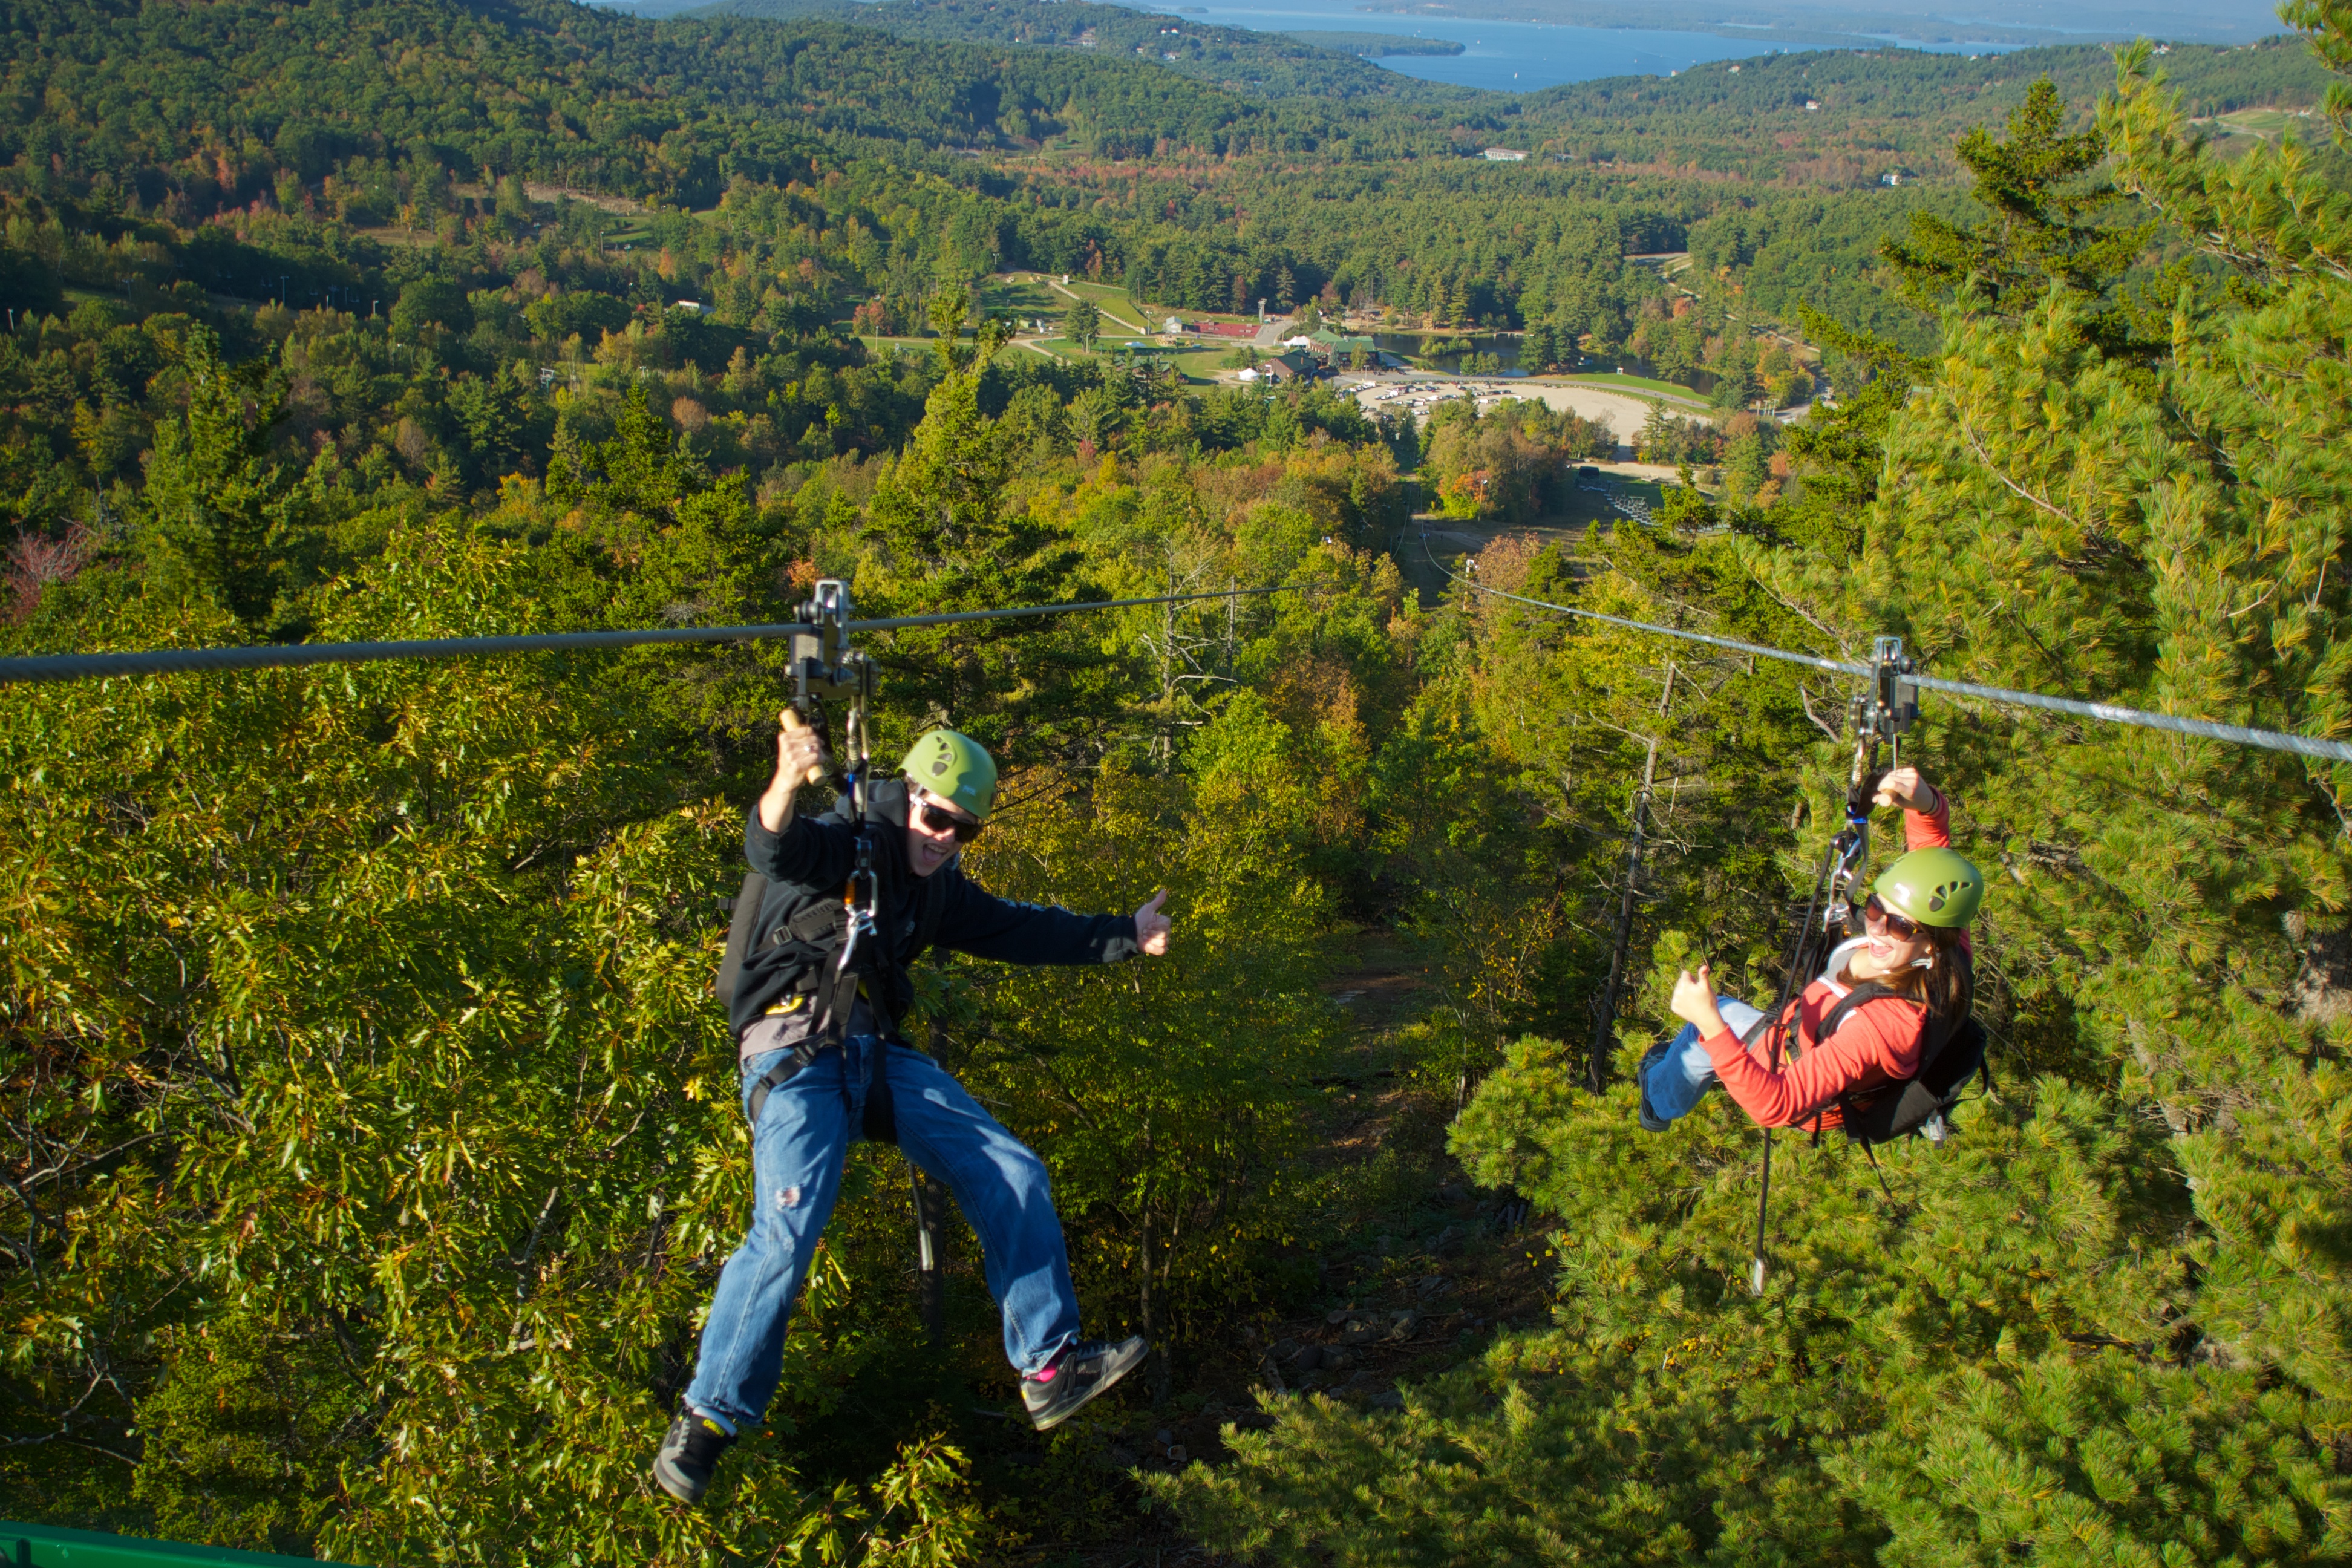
(939, 821)
(1896, 925)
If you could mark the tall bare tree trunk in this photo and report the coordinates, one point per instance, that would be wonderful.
(1146, 1271)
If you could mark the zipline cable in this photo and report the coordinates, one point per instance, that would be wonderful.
(2108, 713)
(180, 661)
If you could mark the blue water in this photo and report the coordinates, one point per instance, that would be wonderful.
(1505, 56)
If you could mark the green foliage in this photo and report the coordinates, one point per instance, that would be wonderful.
(375, 1143)
(1838, 454)
(2047, 224)
(1165, 1158)
(2101, 1325)
(218, 508)
(425, 1116)
(1509, 464)
(2327, 27)
(1259, 63)
(246, 1433)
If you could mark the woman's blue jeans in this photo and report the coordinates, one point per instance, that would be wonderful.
(1676, 1079)
(797, 1151)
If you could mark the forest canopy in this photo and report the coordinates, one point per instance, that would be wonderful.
(372, 1138)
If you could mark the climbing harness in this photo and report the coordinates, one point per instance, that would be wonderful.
(1950, 1052)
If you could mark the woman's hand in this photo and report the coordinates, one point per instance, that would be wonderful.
(1694, 1002)
(1905, 788)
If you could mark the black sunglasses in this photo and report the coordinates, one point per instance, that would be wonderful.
(1896, 925)
(941, 821)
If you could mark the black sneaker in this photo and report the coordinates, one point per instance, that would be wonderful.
(1078, 1375)
(689, 1453)
(1651, 1121)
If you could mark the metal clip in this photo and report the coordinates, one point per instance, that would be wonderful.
(823, 662)
(1895, 700)
(861, 925)
(1852, 849)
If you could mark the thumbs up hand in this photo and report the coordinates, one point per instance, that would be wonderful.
(1694, 1001)
(1152, 926)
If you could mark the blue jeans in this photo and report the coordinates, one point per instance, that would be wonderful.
(1676, 1079)
(797, 1151)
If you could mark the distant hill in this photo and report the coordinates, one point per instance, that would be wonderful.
(591, 98)
(1266, 65)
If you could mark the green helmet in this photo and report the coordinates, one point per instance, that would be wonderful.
(1933, 887)
(954, 767)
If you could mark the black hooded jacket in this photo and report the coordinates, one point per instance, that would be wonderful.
(809, 862)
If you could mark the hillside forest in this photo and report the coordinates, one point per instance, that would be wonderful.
(372, 1140)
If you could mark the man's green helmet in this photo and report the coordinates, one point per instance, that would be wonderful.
(1933, 887)
(954, 767)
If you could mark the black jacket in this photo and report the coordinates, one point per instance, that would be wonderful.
(809, 864)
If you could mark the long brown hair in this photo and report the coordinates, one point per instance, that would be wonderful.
(1946, 987)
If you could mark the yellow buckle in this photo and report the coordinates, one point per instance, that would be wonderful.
(788, 1005)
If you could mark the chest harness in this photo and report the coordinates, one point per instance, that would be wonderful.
(843, 952)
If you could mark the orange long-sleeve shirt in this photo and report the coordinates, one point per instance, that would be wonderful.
(1878, 1043)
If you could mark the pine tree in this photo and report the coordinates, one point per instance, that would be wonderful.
(1838, 453)
(1536, 351)
(218, 509)
(948, 540)
(2051, 221)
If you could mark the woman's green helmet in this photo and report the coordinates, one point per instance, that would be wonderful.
(954, 767)
(1933, 887)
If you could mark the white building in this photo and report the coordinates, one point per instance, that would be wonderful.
(1505, 155)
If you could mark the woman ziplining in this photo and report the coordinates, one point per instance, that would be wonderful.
(1885, 1006)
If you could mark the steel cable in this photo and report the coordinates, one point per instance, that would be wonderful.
(2108, 712)
(181, 661)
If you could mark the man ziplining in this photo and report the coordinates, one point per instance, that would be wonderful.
(813, 1078)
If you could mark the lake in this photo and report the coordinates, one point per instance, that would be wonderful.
(1505, 56)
